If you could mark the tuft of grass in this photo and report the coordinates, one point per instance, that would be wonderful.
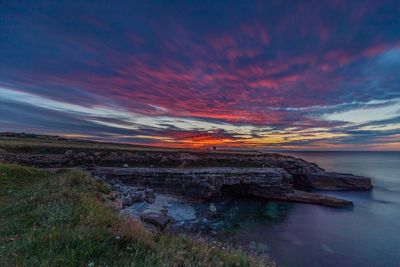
(58, 219)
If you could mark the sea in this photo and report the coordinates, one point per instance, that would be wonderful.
(309, 235)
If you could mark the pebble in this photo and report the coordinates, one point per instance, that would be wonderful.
(212, 208)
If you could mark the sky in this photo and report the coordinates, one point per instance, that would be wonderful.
(307, 75)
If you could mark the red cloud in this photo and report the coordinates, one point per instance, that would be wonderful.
(250, 73)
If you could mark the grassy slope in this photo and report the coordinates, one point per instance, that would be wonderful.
(57, 219)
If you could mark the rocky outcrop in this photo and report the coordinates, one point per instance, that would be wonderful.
(305, 175)
(205, 183)
(201, 183)
(124, 196)
(312, 198)
(338, 181)
(161, 221)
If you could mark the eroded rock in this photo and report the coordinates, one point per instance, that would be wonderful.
(339, 181)
(127, 195)
(201, 183)
(305, 175)
(260, 174)
(313, 198)
(160, 220)
(212, 208)
(267, 183)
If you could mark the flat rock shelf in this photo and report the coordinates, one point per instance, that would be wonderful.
(206, 183)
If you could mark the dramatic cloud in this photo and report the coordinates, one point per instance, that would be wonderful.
(304, 74)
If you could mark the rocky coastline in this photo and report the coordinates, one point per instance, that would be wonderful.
(207, 183)
(165, 177)
(305, 175)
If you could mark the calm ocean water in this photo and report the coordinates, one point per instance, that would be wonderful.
(309, 235)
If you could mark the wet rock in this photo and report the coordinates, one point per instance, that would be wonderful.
(313, 198)
(128, 195)
(212, 208)
(339, 181)
(178, 209)
(159, 220)
(149, 195)
(164, 211)
(308, 175)
(131, 198)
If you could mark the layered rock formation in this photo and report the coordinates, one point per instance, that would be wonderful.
(337, 181)
(205, 183)
(201, 183)
(202, 175)
(305, 175)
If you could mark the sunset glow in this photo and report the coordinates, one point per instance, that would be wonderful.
(314, 75)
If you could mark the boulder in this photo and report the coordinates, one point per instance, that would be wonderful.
(161, 221)
(126, 194)
(130, 199)
(149, 195)
(212, 208)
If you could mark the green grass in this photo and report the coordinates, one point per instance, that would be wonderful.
(58, 219)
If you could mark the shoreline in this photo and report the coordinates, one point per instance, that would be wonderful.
(137, 178)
